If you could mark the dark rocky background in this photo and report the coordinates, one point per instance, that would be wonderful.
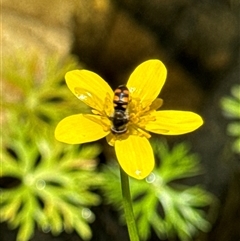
(197, 40)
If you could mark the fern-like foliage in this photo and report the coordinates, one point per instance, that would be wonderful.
(231, 109)
(44, 184)
(47, 185)
(160, 202)
(34, 91)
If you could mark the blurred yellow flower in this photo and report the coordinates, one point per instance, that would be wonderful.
(133, 150)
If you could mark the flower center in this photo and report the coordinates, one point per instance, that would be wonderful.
(139, 116)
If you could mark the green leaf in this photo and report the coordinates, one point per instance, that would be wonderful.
(55, 186)
(26, 229)
(231, 109)
(35, 89)
(177, 163)
(170, 210)
(234, 129)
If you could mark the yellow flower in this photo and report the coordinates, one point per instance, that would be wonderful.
(132, 147)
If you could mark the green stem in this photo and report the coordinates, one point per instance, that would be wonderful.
(127, 205)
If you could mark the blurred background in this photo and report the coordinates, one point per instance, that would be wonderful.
(198, 41)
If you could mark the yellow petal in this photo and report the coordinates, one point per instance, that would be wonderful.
(89, 88)
(147, 80)
(77, 129)
(174, 122)
(135, 156)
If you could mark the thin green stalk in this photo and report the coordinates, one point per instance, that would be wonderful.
(127, 205)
